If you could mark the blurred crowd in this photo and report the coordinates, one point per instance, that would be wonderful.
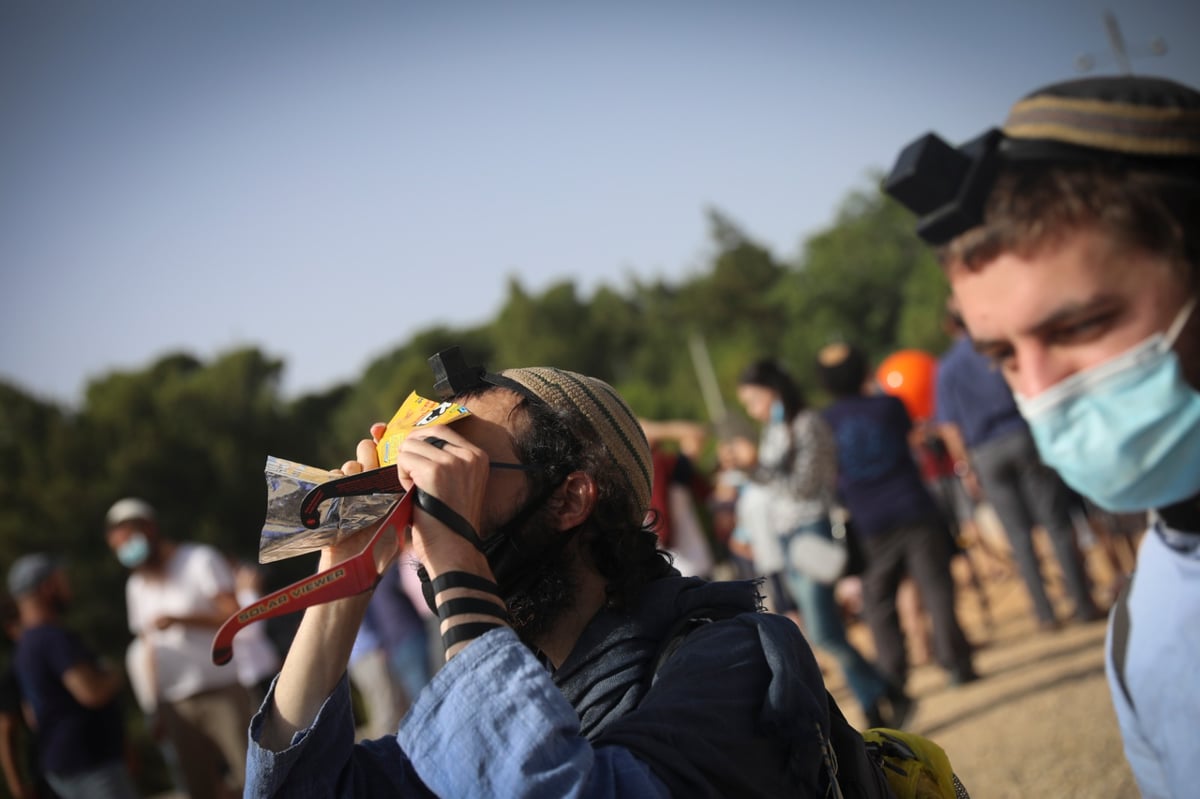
(64, 715)
(916, 481)
(862, 511)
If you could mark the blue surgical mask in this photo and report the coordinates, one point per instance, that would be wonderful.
(134, 551)
(1124, 433)
(777, 411)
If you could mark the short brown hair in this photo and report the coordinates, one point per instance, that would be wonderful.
(1033, 205)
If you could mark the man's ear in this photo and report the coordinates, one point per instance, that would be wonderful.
(578, 498)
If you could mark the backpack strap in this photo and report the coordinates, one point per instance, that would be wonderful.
(675, 638)
(861, 778)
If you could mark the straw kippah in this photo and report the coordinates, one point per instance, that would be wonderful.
(605, 411)
(1142, 117)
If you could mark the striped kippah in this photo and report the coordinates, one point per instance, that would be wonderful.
(609, 416)
(1140, 117)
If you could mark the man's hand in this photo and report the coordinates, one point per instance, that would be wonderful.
(455, 472)
(366, 458)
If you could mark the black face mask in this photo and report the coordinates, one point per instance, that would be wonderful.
(511, 559)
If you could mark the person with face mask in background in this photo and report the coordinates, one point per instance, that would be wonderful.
(177, 595)
(1069, 237)
(70, 699)
(578, 661)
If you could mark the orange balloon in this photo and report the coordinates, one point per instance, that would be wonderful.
(910, 375)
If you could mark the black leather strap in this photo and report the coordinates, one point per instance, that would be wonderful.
(463, 580)
(448, 516)
(1182, 515)
(466, 632)
(473, 605)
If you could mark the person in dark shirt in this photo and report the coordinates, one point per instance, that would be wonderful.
(71, 699)
(894, 516)
(18, 745)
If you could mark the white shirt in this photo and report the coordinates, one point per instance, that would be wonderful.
(181, 654)
(1161, 729)
(254, 655)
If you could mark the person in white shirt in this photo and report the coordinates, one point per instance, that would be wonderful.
(177, 595)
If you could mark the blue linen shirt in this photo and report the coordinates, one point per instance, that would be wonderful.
(1160, 728)
(738, 709)
(526, 745)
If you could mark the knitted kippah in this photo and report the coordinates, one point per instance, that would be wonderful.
(613, 421)
(1135, 116)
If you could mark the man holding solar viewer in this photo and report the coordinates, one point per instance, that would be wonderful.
(579, 663)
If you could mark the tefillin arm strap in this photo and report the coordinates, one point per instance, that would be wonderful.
(476, 605)
(473, 605)
(447, 516)
(474, 608)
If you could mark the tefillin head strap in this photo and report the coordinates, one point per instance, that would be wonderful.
(452, 376)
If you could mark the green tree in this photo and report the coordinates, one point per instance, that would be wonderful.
(866, 279)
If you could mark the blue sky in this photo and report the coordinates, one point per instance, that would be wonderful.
(323, 179)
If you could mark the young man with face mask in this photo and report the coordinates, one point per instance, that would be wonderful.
(70, 699)
(579, 663)
(177, 595)
(1070, 241)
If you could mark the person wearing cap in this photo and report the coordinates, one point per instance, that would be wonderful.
(73, 701)
(1070, 241)
(19, 761)
(579, 662)
(178, 594)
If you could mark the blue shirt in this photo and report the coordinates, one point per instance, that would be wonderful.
(1160, 727)
(878, 480)
(972, 394)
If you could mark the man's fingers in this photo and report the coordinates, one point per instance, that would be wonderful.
(352, 467)
(368, 456)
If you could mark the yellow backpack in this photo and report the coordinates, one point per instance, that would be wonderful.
(915, 767)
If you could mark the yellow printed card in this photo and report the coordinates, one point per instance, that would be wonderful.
(415, 413)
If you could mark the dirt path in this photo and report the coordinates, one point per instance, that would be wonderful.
(1039, 723)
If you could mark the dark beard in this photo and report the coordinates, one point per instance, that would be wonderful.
(59, 604)
(551, 587)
